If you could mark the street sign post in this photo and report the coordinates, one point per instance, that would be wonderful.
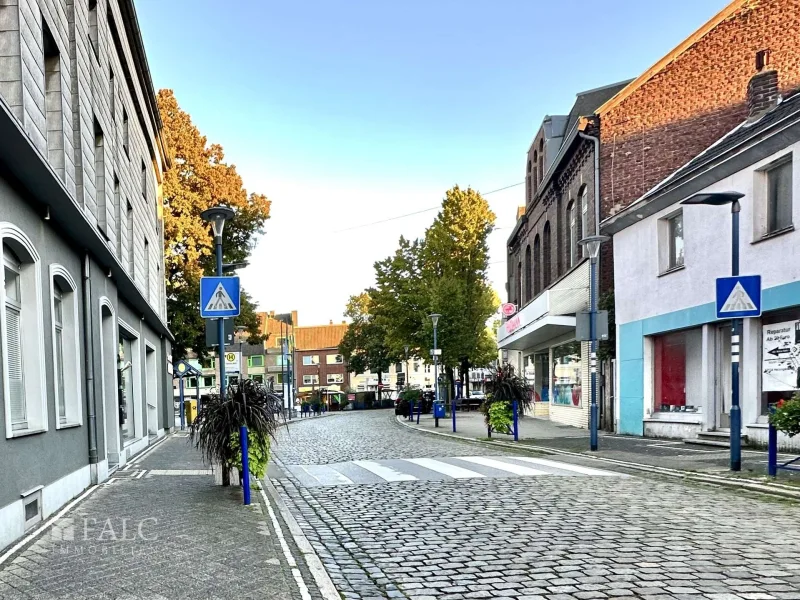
(739, 296)
(219, 297)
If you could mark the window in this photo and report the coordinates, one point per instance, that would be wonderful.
(100, 179)
(53, 101)
(93, 41)
(233, 379)
(677, 371)
(310, 379)
(335, 378)
(427, 368)
(779, 197)
(541, 159)
(144, 180)
(258, 378)
(535, 169)
(546, 258)
(117, 219)
(66, 347)
(278, 378)
(670, 240)
(127, 384)
(311, 360)
(567, 380)
(22, 335)
(572, 223)
(279, 342)
(112, 96)
(191, 382)
(334, 359)
(518, 287)
(125, 133)
(528, 274)
(528, 180)
(584, 215)
(32, 505)
(537, 265)
(147, 285)
(209, 363)
(129, 239)
(209, 381)
(255, 361)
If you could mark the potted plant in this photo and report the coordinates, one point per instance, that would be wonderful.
(785, 416)
(503, 388)
(215, 429)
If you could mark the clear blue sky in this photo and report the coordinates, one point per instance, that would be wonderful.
(352, 111)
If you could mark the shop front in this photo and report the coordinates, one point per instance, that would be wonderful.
(540, 344)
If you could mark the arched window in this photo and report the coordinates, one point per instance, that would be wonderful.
(537, 265)
(518, 290)
(584, 212)
(535, 169)
(572, 237)
(546, 258)
(66, 347)
(21, 328)
(530, 191)
(528, 275)
(541, 159)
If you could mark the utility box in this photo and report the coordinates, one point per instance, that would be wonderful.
(438, 410)
(190, 408)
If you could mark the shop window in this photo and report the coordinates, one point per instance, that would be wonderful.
(127, 354)
(567, 381)
(780, 369)
(677, 368)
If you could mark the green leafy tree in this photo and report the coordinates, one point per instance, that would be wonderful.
(197, 179)
(363, 345)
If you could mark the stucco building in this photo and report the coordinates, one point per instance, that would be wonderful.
(84, 345)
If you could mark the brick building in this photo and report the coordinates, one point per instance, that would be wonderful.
(691, 98)
(548, 275)
(319, 365)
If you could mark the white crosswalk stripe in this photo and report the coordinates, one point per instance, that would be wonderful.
(437, 469)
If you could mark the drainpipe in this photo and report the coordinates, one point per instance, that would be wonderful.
(596, 142)
(88, 342)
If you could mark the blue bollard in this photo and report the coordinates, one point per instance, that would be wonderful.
(772, 452)
(419, 410)
(516, 421)
(453, 410)
(245, 464)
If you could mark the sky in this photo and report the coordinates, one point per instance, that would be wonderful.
(351, 112)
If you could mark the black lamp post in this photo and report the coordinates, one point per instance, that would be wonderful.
(435, 319)
(592, 244)
(720, 199)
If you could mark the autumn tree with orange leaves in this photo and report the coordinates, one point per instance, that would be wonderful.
(199, 178)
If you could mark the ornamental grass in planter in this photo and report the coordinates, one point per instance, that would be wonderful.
(215, 430)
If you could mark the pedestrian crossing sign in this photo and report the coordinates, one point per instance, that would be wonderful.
(739, 296)
(219, 297)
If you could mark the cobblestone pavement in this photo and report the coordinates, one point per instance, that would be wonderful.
(156, 537)
(529, 538)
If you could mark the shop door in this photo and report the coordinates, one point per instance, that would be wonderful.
(542, 377)
(723, 378)
(670, 371)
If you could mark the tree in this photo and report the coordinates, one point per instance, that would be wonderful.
(363, 345)
(198, 178)
(454, 261)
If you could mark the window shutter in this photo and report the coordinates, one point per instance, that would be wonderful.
(15, 378)
(62, 400)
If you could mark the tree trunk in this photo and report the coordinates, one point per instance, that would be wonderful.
(465, 376)
(226, 475)
(451, 380)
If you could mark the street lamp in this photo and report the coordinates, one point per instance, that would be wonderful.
(435, 319)
(217, 216)
(592, 244)
(720, 199)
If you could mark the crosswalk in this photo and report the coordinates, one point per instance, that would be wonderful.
(437, 469)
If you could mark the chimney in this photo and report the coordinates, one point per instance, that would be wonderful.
(762, 91)
(330, 322)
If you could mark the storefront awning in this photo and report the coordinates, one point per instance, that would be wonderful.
(538, 332)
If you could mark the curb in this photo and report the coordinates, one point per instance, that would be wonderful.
(776, 489)
(321, 577)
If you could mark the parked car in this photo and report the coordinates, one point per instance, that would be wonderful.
(477, 395)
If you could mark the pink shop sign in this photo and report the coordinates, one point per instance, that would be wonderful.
(512, 324)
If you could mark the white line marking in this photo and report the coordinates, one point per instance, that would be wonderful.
(567, 467)
(453, 471)
(298, 576)
(140, 475)
(496, 464)
(46, 525)
(109, 482)
(326, 475)
(180, 472)
(384, 472)
(138, 458)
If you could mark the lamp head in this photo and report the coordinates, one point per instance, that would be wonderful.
(714, 198)
(592, 244)
(435, 318)
(217, 216)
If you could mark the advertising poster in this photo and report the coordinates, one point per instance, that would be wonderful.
(781, 356)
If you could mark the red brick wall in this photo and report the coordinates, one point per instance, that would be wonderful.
(324, 367)
(694, 100)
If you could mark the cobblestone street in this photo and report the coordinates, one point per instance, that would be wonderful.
(530, 537)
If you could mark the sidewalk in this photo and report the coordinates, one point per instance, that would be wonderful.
(657, 453)
(159, 529)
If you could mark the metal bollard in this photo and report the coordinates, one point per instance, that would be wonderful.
(516, 421)
(772, 452)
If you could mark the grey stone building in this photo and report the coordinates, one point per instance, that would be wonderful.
(84, 345)
(548, 274)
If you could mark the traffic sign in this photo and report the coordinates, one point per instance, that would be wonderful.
(738, 296)
(219, 297)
